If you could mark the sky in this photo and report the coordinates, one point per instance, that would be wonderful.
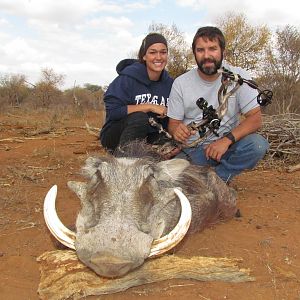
(85, 39)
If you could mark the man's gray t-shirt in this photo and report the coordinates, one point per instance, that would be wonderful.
(189, 87)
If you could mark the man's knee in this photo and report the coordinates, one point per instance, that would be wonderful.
(259, 144)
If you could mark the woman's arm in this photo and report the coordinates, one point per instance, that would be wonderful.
(157, 109)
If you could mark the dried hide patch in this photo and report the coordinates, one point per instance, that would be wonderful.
(64, 277)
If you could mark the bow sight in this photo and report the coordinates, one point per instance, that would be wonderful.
(210, 119)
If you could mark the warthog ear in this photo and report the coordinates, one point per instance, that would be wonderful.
(79, 188)
(92, 165)
(170, 170)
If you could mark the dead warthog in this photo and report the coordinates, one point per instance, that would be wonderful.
(133, 208)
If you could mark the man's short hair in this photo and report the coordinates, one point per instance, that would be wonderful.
(211, 33)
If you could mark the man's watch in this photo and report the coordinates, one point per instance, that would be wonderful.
(231, 137)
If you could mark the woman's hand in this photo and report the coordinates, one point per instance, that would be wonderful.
(160, 110)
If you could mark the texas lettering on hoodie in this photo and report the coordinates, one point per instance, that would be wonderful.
(133, 87)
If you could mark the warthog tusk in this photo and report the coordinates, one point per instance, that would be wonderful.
(56, 227)
(170, 240)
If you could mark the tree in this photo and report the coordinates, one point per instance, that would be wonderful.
(90, 96)
(93, 87)
(14, 88)
(181, 57)
(245, 44)
(281, 71)
(47, 89)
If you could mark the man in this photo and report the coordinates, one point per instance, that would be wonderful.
(237, 147)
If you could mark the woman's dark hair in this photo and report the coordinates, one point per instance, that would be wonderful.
(150, 39)
(211, 33)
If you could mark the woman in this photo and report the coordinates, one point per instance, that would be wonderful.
(140, 91)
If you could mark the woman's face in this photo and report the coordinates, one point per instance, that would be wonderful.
(156, 59)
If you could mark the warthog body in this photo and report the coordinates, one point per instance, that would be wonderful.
(128, 202)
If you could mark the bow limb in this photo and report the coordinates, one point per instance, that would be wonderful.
(223, 99)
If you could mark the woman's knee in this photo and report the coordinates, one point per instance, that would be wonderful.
(138, 117)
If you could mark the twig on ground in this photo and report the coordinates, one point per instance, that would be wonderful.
(294, 168)
(283, 133)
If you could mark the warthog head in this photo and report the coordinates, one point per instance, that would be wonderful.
(135, 208)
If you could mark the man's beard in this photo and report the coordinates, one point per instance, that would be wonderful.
(212, 69)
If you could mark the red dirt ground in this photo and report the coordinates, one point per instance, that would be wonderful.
(39, 150)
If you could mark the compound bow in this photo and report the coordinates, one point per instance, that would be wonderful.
(211, 118)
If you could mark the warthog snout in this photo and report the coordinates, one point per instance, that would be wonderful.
(110, 266)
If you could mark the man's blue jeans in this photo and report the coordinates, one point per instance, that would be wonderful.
(242, 155)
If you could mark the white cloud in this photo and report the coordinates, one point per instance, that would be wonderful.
(19, 49)
(110, 23)
(3, 22)
(276, 13)
(49, 9)
(67, 39)
(85, 39)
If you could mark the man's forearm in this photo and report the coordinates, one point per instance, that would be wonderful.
(172, 126)
(250, 124)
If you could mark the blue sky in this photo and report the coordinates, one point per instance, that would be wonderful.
(85, 39)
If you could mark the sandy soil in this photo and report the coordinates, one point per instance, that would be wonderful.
(39, 150)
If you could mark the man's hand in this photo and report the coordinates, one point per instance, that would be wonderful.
(182, 133)
(179, 131)
(216, 149)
